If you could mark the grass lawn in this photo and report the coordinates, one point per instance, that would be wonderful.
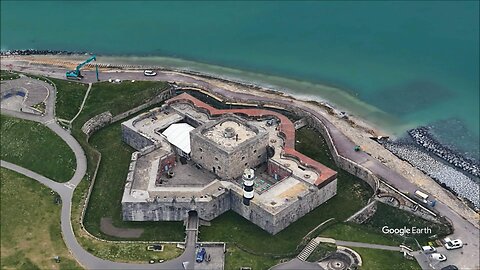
(30, 226)
(70, 95)
(7, 75)
(108, 190)
(34, 146)
(117, 98)
(236, 258)
(360, 233)
(374, 259)
(352, 195)
(130, 252)
(392, 217)
(119, 252)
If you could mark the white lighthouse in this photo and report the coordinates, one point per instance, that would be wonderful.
(248, 182)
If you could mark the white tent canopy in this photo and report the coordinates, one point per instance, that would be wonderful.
(179, 135)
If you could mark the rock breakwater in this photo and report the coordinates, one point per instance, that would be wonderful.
(38, 52)
(423, 138)
(462, 184)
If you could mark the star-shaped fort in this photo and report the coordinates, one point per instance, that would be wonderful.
(193, 157)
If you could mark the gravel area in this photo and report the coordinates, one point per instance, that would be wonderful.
(458, 182)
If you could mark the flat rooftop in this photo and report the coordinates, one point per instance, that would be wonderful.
(152, 122)
(229, 134)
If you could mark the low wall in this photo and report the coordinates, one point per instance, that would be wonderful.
(97, 122)
(101, 120)
(364, 214)
(345, 164)
(157, 99)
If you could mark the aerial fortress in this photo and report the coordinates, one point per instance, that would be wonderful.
(193, 157)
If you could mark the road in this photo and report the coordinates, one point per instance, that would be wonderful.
(87, 260)
(464, 230)
(65, 190)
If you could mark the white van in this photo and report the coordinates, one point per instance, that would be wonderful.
(428, 249)
(421, 195)
(438, 257)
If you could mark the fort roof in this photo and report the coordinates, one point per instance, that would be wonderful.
(286, 128)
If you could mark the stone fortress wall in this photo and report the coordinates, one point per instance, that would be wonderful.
(274, 222)
(135, 139)
(176, 208)
(229, 195)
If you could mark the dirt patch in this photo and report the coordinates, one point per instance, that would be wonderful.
(107, 227)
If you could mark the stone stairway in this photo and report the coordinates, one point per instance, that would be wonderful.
(308, 249)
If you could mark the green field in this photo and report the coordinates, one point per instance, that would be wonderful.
(108, 190)
(7, 75)
(70, 95)
(130, 252)
(35, 147)
(375, 259)
(114, 251)
(360, 233)
(395, 218)
(236, 258)
(117, 98)
(30, 226)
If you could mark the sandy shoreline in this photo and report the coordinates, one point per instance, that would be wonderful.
(357, 130)
(341, 99)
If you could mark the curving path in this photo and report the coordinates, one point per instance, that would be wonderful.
(65, 190)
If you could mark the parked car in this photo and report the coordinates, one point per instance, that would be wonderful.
(201, 255)
(428, 249)
(452, 244)
(438, 257)
(450, 267)
(155, 247)
(149, 73)
(151, 261)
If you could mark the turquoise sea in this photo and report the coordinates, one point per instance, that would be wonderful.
(399, 64)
